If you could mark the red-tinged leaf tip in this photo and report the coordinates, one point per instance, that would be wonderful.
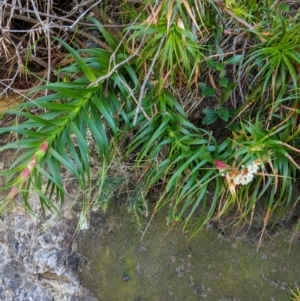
(13, 193)
(25, 174)
(221, 165)
(41, 152)
(44, 147)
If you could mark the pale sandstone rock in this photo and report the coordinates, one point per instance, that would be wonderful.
(38, 263)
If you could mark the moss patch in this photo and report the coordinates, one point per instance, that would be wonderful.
(170, 265)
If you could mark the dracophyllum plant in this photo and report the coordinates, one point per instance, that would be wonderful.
(261, 169)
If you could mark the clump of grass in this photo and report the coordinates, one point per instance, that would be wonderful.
(124, 96)
(295, 294)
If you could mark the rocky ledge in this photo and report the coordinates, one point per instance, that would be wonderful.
(39, 257)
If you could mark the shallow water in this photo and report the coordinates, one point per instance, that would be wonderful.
(169, 265)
